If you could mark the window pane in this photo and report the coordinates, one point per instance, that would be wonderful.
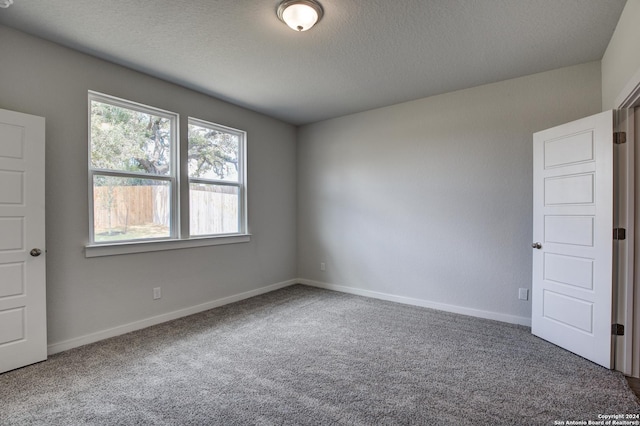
(213, 209)
(130, 208)
(129, 140)
(213, 154)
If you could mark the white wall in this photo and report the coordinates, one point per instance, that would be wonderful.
(88, 296)
(621, 61)
(431, 200)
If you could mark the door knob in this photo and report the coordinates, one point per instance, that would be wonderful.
(536, 246)
(35, 252)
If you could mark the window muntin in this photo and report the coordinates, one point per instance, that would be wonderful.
(216, 179)
(132, 171)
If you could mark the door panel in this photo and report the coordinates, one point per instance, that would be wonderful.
(573, 222)
(12, 279)
(571, 149)
(11, 325)
(568, 270)
(569, 311)
(569, 230)
(576, 189)
(23, 338)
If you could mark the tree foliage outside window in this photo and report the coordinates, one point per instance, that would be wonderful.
(134, 141)
(128, 140)
(213, 154)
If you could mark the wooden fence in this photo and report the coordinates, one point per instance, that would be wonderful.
(213, 209)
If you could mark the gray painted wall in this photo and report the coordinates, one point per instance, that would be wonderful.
(86, 296)
(621, 61)
(431, 200)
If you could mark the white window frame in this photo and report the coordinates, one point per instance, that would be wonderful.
(242, 177)
(179, 236)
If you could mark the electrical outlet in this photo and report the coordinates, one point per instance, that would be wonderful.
(157, 293)
(523, 294)
(323, 266)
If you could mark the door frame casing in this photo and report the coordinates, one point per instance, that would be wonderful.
(628, 347)
(624, 250)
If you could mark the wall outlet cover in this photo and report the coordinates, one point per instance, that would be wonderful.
(523, 294)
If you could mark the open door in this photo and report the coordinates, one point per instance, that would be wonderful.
(23, 327)
(572, 285)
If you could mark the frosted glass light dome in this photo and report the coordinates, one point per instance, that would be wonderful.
(300, 15)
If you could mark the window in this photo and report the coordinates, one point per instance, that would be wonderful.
(134, 176)
(133, 171)
(216, 177)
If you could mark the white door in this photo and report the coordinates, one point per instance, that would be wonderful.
(573, 236)
(23, 328)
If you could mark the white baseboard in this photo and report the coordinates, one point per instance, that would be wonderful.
(512, 319)
(148, 322)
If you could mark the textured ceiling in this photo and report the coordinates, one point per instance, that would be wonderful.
(363, 54)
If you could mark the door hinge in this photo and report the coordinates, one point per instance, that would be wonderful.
(617, 329)
(619, 138)
(619, 234)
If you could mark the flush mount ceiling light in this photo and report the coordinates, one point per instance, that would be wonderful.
(5, 3)
(300, 15)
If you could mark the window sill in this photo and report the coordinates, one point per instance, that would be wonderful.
(113, 249)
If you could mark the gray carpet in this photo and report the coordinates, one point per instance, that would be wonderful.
(306, 356)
